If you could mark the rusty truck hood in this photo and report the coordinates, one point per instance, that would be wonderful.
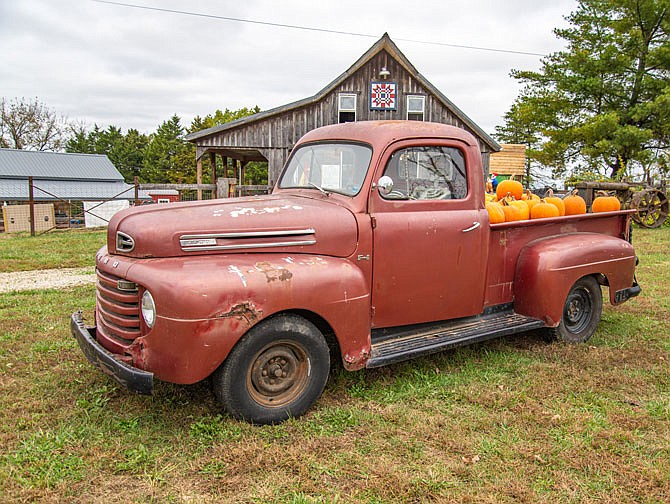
(275, 223)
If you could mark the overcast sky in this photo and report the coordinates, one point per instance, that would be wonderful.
(135, 68)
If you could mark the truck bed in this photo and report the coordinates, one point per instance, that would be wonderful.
(507, 239)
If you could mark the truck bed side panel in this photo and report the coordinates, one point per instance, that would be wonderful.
(508, 239)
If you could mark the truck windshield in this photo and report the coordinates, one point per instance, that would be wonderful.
(331, 167)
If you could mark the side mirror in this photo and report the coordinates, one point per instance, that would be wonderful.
(385, 185)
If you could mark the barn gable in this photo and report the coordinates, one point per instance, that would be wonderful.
(381, 84)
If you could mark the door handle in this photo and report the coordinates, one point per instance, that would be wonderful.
(474, 226)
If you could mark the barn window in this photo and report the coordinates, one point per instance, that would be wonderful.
(416, 106)
(346, 107)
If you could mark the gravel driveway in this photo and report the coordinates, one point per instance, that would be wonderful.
(46, 279)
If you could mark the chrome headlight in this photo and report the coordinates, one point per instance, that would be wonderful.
(148, 309)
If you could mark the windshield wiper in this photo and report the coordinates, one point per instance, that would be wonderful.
(326, 193)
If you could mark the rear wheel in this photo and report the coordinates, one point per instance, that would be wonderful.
(277, 371)
(581, 312)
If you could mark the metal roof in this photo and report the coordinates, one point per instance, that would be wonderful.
(20, 164)
(67, 190)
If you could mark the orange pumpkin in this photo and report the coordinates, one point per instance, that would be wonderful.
(606, 203)
(574, 204)
(509, 186)
(531, 203)
(544, 210)
(523, 208)
(530, 199)
(529, 196)
(512, 212)
(556, 201)
(496, 213)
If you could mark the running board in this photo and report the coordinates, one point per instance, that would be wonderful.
(407, 342)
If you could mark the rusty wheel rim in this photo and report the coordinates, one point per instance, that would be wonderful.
(577, 311)
(279, 374)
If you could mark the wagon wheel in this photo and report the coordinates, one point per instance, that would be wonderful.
(652, 208)
(626, 198)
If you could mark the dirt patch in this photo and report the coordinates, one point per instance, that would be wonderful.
(45, 279)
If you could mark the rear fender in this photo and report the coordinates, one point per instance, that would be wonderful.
(547, 268)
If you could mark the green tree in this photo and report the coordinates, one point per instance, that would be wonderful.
(126, 152)
(520, 127)
(168, 158)
(605, 100)
(219, 117)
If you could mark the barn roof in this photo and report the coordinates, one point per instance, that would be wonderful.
(58, 175)
(20, 164)
(383, 44)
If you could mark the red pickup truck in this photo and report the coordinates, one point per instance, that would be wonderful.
(374, 247)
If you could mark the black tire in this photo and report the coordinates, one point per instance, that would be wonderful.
(276, 371)
(581, 312)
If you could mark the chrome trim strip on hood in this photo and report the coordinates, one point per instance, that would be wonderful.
(190, 243)
(250, 245)
(250, 234)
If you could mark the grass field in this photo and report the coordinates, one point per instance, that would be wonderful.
(56, 249)
(514, 420)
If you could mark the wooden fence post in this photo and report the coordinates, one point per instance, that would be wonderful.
(31, 199)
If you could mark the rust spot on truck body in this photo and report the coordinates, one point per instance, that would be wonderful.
(355, 361)
(274, 273)
(243, 311)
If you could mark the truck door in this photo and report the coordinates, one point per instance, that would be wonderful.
(429, 236)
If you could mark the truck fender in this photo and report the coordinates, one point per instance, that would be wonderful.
(220, 298)
(547, 268)
(333, 289)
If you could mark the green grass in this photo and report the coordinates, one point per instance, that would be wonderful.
(514, 420)
(56, 249)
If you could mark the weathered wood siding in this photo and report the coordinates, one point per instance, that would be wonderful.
(274, 136)
(511, 160)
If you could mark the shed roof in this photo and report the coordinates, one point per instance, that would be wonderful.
(20, 164)
(14, 189)
(384, 43)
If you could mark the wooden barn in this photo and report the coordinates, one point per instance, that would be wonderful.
(382, 84)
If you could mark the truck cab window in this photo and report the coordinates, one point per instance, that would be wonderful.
(333, 167)
(427, 173)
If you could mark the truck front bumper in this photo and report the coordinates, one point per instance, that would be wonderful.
(135, 380)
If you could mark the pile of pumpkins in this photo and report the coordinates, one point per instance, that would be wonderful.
(512, 203)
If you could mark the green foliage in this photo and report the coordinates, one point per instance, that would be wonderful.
(604, 102)
(163, 156)
(168, 158)
(219, 117)
(126, 152)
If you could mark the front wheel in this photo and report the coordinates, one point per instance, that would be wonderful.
(276, 371)
(581, 312)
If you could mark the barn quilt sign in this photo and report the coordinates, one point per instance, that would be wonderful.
(383, 95)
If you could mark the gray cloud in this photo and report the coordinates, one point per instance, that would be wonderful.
(134, 68)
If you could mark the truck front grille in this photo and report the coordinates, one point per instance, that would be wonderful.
(118, 311)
